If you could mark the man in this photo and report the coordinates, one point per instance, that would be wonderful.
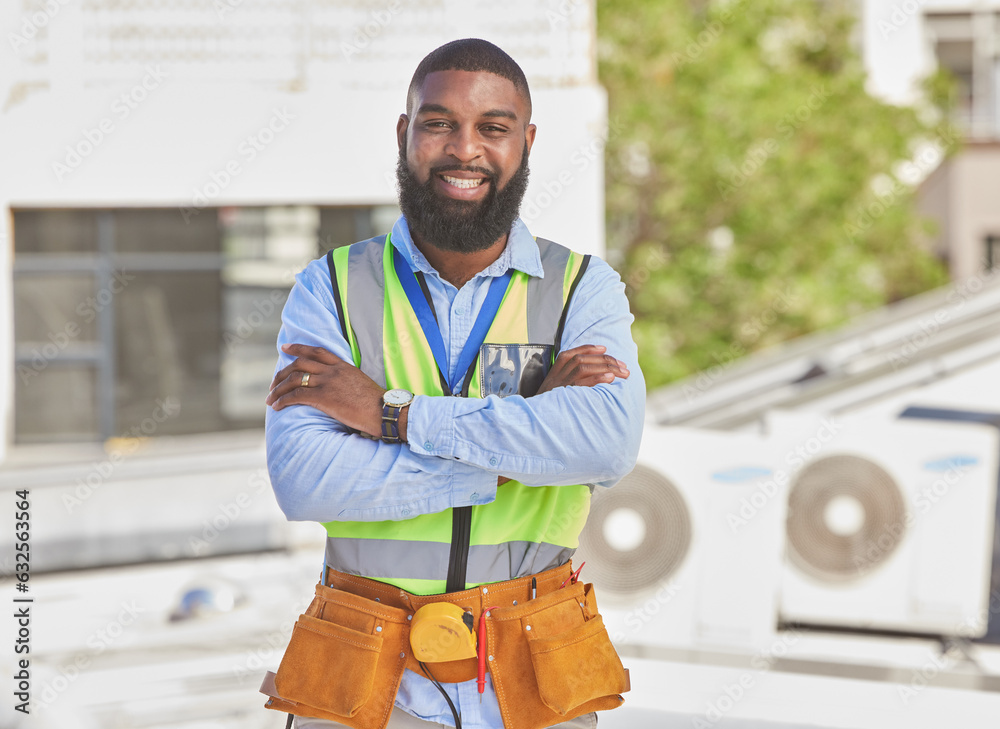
(434, 494)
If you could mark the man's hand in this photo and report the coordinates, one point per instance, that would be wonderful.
(586, 365)
(334, 386)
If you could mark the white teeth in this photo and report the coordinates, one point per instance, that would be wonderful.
(464, 184)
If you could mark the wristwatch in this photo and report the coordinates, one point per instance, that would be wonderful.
(393, 402)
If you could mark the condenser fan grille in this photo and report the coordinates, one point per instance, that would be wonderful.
(666, 533)
(821, 547)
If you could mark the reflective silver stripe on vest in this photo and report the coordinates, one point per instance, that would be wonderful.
(366, 303)
(545, 295)
(383, 559)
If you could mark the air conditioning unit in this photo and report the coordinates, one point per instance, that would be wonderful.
(890, 523)
(686, 550)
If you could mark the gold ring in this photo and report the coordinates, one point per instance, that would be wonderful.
(305, 379)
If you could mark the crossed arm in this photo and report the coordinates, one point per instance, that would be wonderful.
(344, 392)
(582, 427)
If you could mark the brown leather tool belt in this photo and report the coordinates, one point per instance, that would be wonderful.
(549, 656)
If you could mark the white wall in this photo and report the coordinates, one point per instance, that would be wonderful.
(186, 139)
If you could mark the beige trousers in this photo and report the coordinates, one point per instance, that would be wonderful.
(401, 720)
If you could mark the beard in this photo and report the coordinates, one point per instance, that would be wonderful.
(462, 226)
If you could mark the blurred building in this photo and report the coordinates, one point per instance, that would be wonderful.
(905, 42)
(168, 166)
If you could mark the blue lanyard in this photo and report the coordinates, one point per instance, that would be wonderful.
(428, 321)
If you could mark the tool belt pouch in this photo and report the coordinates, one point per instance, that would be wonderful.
(344, 661)
(552, 660)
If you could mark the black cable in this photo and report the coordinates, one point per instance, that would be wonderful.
(454, 711)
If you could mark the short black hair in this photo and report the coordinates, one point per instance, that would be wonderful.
(469, 54)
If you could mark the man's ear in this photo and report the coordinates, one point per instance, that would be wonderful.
(529, 136)
(402, 125)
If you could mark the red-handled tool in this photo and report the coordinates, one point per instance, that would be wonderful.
(572, 579)
(481, 648)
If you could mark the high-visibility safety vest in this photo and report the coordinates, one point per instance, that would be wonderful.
(526, 529)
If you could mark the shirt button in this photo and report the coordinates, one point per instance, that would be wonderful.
(404, 511)
(459, 312)
(493, 461)
(474, 496)
(428, 445)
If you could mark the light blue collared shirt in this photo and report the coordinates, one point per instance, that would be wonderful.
(457, 446)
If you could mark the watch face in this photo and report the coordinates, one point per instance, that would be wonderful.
(397, 398)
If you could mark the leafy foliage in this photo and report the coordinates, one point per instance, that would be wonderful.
(755, 190)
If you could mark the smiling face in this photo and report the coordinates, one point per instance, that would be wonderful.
(463, 159)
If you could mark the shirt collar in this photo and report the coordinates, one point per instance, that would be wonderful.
(521, 252)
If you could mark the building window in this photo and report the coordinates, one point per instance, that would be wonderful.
(965, 44)
(992, 252)
(137, 322)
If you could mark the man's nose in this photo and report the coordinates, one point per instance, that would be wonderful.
(464, 145)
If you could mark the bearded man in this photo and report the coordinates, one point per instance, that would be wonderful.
(447, 397)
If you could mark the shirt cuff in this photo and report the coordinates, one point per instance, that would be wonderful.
(428, 426)
(430, 430)
(429, 433)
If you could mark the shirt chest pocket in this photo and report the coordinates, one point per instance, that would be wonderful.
(513, 369)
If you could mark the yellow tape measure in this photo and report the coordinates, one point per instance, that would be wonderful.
(441, 632)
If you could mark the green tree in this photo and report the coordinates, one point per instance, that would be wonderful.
(755, 191)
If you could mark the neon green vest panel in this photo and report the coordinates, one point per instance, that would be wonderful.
(525, 530)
